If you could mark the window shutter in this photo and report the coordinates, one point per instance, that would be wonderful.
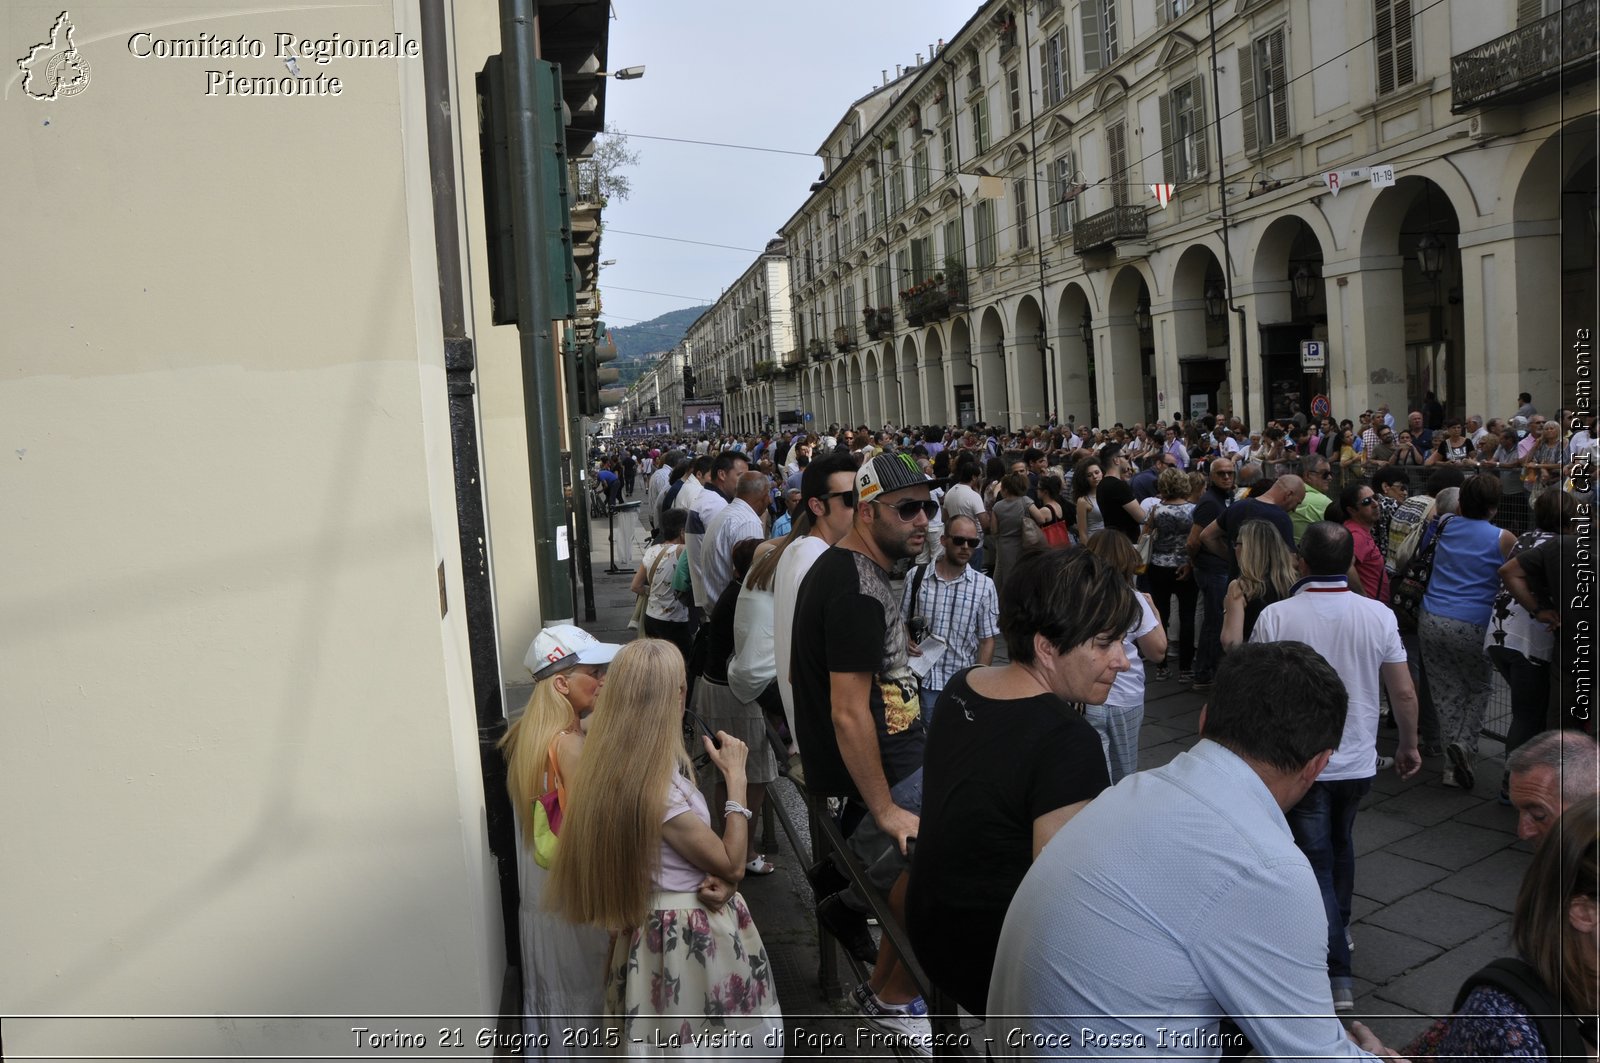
(1529, 11)
(1117, 150)
(1383, 43)
(1089, 29)
(1405, 68)
(1161, 12)
(1169, 147)
(1199, 130)
(1247, 97)
(1280, 86)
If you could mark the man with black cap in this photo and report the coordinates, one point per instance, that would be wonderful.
(858, 714)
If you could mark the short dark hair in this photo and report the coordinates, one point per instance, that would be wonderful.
(1280, 703)
(1328, 548)
(967, 470)
(672, 523)
(1032, 454)
(1524, 397)
(1553, 511)
(1068, 596)
(703, 464)
(1480, 497)
(814, 479)
(1445, 476)
(1389, 474)
(1109, 453)
(726, 460)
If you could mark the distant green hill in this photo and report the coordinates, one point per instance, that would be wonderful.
(658, 335)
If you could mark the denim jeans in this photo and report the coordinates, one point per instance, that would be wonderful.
(878, 853)
(1323, 824)
(1213, 592)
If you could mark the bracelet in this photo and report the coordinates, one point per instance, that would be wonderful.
(733, 807)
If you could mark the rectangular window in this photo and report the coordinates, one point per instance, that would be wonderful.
(1014, 98)
(975, 76)
(983, 227)
(903, 277)
(1393, 44)
(1019, 205)
(897, 191)
(876, 204)
(1053, 67)
(1061, 212)
(1264, 91)
(885, 287)
(1170, 10)
(952, 242)
(948, 142)
(980, 125)
(922, 258)
(1183, 132)
(861, 226)
(919, 170)
(1097, 25)
(1117, 171)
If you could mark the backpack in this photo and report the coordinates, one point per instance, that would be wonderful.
(1405, 530)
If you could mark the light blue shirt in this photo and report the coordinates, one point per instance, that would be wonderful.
(1175, 897)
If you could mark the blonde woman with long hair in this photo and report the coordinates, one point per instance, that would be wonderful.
(637, 842)
(563, 964)
(1266, 575)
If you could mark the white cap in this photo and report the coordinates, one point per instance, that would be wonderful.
(561, 646)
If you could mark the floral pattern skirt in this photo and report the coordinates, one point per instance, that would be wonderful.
(694, 984)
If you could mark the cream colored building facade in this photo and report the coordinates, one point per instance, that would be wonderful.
(240, 759)
(742, 350)
(1011, 179)
(657, 396)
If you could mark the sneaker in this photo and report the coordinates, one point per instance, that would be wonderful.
(1449, 778)
(1200, 684)
(849, 928)
(1462, 763)
(859, 995)
(1185, 677)
(1344, 999)
(1161, 673)
(906, 1023)
(1385, 763)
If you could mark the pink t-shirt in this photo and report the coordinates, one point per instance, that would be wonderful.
(677, 875)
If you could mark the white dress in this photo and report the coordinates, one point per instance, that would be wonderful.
(563, 971)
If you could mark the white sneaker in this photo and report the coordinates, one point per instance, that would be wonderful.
(906, 1025)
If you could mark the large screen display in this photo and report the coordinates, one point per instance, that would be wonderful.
(702, 416)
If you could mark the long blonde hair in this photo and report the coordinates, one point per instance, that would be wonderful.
(611, 835)
(526, 747)
(1264, 562)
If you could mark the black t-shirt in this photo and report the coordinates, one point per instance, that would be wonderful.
(719, 635)
(1113, 495)
(1206, 511)
(847, 619)
(991, 769)
(1248, 509)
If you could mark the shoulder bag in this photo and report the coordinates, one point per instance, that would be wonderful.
(547, 813)
(1056, 533)
(1410, 588)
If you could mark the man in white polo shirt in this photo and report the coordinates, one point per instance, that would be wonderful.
(1359, 638)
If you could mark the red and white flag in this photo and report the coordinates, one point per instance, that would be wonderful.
(1163, 194)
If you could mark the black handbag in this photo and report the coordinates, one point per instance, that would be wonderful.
(1410, 588)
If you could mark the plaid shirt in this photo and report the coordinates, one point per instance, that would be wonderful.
(962, 611)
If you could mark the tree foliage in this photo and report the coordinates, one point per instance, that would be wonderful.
(612, 156)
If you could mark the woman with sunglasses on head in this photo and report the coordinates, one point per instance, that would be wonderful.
(637, 843)
(563, 964)
(1266, 575)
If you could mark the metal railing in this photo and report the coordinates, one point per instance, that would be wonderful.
(1109, 226)
(1527, 60)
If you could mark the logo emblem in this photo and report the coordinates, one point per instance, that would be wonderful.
(55, 69)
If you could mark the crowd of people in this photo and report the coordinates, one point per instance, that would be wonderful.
(824, 598)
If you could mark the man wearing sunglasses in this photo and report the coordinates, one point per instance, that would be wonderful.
(954, 603)
(858, 710)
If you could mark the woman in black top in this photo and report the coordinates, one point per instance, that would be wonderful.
(1013, 761)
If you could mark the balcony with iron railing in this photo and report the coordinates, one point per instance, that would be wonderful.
(1109, 226)
(1529, 61)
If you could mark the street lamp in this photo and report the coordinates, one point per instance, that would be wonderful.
(627, 73)
(1216, 305)
(1141, 314)
(1086, 327)
(609, 262)
(1305, 284)
(1430, 256)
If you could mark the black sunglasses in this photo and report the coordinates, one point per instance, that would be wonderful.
(909, 509)
(962, 540)
(849, 496)
(1370, 500)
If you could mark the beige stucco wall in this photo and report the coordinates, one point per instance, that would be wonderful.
(238, 766)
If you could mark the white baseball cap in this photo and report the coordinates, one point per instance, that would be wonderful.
(561, 646)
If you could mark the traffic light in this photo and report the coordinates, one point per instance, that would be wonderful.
(597, 383)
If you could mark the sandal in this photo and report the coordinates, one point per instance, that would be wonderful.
(760, 866)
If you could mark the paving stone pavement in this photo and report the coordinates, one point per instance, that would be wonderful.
(1437, 870)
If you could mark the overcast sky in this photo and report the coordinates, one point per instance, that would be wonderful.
(771, 75)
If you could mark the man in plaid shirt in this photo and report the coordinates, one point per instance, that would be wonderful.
(954, 602)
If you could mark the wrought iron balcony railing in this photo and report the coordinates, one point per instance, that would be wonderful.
(1528, 61)
(1109, 226)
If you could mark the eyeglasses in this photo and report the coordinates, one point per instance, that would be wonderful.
(1370, 500)
(909, 509)
(961, 540)
(848, 496)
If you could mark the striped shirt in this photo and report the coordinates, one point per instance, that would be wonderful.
(962, 612)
